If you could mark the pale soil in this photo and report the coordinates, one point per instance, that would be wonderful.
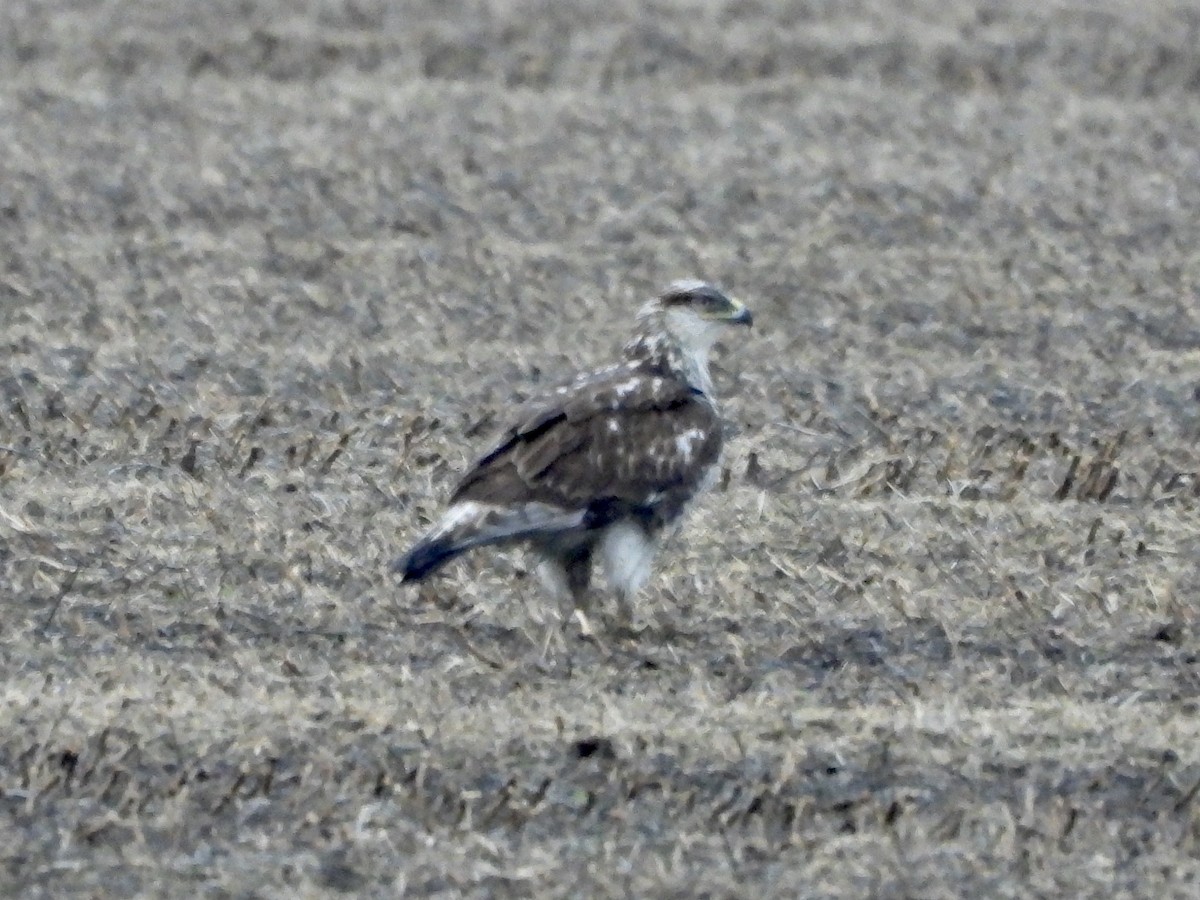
(270, 275)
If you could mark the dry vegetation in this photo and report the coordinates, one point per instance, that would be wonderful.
(269, 273)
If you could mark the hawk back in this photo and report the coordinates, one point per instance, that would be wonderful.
(629, 439)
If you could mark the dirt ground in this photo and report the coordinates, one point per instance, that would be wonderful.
(270, 273)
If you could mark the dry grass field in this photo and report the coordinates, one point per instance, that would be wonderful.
(269, 274)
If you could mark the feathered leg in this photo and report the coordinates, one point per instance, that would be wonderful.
(627, 551)
(567, 576)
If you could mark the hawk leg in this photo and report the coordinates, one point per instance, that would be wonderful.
(568, 574)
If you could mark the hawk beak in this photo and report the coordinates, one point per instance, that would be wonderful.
(740, 314)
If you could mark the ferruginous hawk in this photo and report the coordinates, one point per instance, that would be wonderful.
(602, 465)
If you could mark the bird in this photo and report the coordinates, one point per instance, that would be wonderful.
(601, 467)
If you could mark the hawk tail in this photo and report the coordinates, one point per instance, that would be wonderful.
(429, 555)
(468, 524)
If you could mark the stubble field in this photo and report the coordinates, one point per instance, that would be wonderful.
(270, 273)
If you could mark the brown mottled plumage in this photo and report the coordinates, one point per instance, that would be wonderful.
(604, 463)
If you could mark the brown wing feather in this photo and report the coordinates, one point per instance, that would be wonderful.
(616, 437)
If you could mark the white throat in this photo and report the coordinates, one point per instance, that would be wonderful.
(695, 337)
(695, 368)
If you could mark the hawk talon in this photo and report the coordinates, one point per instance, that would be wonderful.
(585, 627)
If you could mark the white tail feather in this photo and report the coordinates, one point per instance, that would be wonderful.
(470, 524)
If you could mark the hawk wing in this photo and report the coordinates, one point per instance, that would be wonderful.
(630, 441)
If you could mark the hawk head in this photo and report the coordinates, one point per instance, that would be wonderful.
(696, 314)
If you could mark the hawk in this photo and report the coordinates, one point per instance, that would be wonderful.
(604, 464)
